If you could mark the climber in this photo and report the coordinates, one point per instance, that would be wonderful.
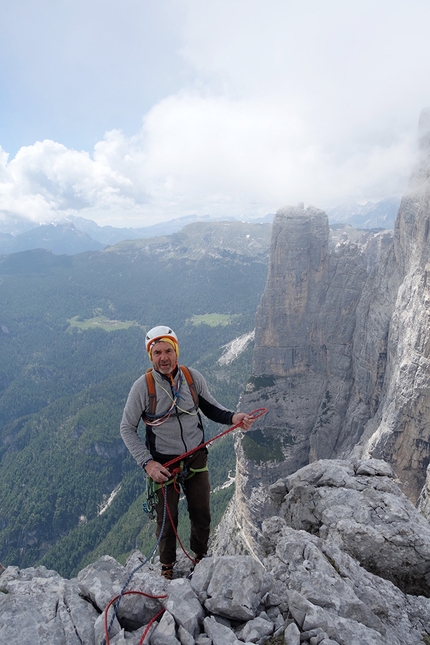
(169, 399)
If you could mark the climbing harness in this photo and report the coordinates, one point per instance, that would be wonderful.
(255, 414)
(179, 476)
(152, 487)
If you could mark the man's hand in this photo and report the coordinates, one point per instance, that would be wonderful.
(242, 419)
(157, 472)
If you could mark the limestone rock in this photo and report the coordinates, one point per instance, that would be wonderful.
(292, 635)
(219, 634)
(165, 633)
(314, 586)
(364, 514)
(234, 591)
(101, 581)
(329, 590)
(305, 370)
(183, 604)
(256, 630)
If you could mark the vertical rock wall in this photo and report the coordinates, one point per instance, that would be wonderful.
(303, 368)
(342, 349)
(400, 429)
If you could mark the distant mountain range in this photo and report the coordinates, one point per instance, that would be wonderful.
(76, 234)
(371, 215)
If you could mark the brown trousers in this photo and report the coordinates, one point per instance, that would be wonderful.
(197, 493)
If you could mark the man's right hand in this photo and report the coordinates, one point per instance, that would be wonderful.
(157, 472)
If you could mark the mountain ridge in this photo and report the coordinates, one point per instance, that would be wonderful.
(75, 234)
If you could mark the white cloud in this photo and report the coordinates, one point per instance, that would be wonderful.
(281, 102)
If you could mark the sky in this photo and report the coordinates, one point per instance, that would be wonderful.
(133, 112)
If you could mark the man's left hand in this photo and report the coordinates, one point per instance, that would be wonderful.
(242, 419)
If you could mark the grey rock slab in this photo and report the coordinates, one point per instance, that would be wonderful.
(165, 632)
(185, 637)
(375, 467)
(292, 635)
(133, 638)
(38, 606)
(79, 613)
(380, 528)
(202, 576)
(202, 639)
(219, 634)
(236, 588)
(100, 627)
(328, 589)
(184, 606)
(136, 609)
(255, 630)
(277, 491)
(315, 640)
(26, 623)
(306, 636)
(102, 580)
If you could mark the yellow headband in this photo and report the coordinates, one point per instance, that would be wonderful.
(165, 339)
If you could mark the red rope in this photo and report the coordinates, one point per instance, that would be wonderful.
(151, 622)
(175, 529)
(255, 414)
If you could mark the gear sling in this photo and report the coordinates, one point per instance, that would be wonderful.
(185, 473)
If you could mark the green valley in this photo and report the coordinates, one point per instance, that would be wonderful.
(71, 345)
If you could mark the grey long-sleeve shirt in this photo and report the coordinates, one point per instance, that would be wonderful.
(182, 431)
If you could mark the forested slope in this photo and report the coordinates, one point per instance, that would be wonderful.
(71, 344)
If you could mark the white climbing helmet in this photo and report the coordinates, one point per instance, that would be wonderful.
(158, 333)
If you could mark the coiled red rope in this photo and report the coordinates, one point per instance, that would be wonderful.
(151, 622)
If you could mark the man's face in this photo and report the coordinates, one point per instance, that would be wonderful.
(164, 357)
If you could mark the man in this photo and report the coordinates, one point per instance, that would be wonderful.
(172, 429)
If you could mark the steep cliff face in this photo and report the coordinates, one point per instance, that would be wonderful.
(400, 428)
(304, 364)
(342, 347)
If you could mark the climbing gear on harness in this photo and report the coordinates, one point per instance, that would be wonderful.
(154, 420)
(151, 499)
(159, 333)
(179, 477)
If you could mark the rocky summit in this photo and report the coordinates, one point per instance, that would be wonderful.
(345, 560)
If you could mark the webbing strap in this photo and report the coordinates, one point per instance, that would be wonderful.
(191, 473)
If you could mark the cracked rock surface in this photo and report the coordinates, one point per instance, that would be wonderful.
(333, 568)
